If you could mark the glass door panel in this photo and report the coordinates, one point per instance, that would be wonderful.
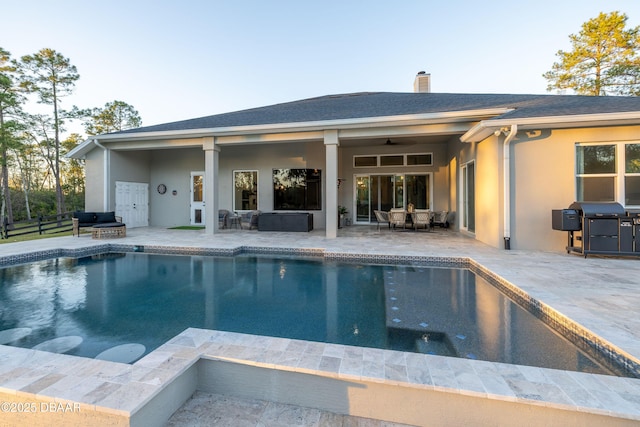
(197, 198)
(471, 198)
(363, 199)
(384, 192)
(399, 191)
(418, 191)
(468, 197)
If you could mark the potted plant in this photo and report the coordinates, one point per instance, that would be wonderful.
(342, 211)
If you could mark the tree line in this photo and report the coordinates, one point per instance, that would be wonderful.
(32, 149)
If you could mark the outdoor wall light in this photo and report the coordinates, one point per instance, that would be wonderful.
(502, 130)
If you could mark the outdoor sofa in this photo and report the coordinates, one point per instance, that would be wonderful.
(102, 224)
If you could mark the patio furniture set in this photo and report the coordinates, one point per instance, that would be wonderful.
(108, 225)
(416, 218)
(101, 224)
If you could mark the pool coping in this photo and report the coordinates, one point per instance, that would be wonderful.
(124, 390)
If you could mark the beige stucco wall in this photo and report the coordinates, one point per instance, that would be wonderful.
(173, 169)
(488, 194)
(543, 178)
(265, 158)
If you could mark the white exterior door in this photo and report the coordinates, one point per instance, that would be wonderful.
(132, 203)
(197, 198)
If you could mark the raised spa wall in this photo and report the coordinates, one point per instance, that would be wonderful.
(394, 386)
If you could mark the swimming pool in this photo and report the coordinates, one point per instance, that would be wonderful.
(118, 298)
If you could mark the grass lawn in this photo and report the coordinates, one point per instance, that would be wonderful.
(34, 236)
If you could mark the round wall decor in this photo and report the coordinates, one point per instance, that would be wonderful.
(162, 188)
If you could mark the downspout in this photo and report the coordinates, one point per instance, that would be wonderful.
(105, 167)
(507, 185)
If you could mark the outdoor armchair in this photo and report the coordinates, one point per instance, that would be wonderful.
(249, 219)
(223, 218)
(398, 218)
(382, 217)
(422, 217)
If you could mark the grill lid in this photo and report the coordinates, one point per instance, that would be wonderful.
(598, 208)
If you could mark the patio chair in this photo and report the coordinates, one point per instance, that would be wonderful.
(249, 219)
(382, 217)
(223, 218)
(398, 217)
(422, 217)
(443, 218)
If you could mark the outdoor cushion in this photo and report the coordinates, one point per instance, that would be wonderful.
(102, 217)
(108, 225)
(85, 217)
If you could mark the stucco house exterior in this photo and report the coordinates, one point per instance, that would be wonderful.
(500, 162)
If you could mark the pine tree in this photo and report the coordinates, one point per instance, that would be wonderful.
(604, 60)
(51, 76)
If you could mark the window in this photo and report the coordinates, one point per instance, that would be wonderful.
(413, 159)
(297, 189)
(632, 174)
(197, 188)
(245, 190)
(392, 160)
(596, 173)
(419, 159)
(365, 161)
(608, 172)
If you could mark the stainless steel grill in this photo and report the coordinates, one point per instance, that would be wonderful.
(598, 228)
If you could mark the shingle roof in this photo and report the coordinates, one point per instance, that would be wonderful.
(380, 104)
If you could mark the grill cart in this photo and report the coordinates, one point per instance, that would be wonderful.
(602, 228)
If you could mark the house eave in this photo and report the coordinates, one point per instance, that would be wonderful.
(310, 126)
(486, 128)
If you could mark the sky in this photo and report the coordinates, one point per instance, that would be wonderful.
(175, 60)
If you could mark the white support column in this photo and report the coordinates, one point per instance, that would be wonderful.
(106, 176)
(211, 152)
(331, 143)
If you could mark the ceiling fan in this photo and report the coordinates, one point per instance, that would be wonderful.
(390, 142)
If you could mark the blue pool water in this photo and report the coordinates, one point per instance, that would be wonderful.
(115, 299)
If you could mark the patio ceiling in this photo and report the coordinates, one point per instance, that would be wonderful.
(398, 142)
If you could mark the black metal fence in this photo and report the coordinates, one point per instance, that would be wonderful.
(49, 224)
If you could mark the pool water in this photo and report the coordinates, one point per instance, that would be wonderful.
(115, 299)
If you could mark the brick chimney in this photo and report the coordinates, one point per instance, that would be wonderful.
(422, 83)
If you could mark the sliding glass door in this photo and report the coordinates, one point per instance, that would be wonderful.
(468, 201)
(383, 192)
